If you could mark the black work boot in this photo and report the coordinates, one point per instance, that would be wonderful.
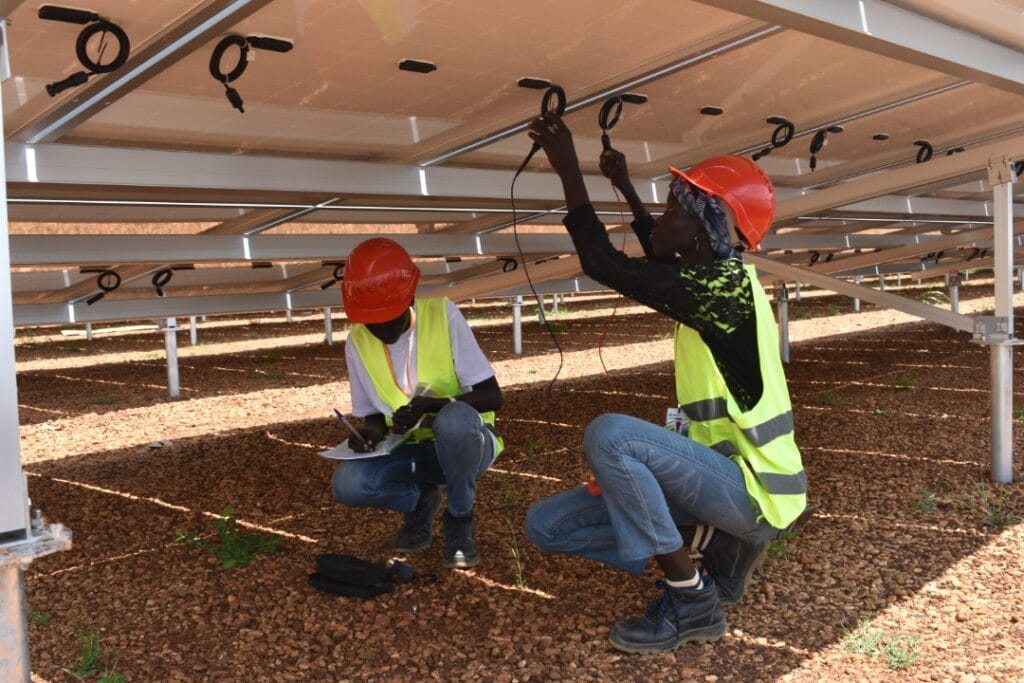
(677, 616)
(416, 531)
(460, 548)
(734, 562)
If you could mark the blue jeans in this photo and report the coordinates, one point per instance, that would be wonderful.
(652, 482)
(462, 451)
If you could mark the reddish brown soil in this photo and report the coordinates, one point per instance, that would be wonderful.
(893, 422)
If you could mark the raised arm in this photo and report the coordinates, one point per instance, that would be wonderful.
(613, 166)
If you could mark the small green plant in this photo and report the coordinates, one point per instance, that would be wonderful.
(926, 502)
(517, 556)
(833, 309)
(272, 356)
(103, 400)
(509, 495)
(91, 664)
(1018, 413)
(830, 398)
(233, 549)
(796, 312)
(779, 547)
(901, 651)
(554, 327)
(268, 374)
(40, 618)
(991, 507)
(532, 371)
(864, 640)
(904, 381)
(935, 297)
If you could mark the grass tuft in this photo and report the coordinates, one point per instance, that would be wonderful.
(233, 549)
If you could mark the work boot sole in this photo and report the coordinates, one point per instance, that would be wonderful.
(708, 634)
(749, 576)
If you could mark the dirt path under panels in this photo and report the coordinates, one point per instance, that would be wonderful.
(893, 423)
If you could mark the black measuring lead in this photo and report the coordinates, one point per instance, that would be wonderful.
(552, 103)
(95, 26)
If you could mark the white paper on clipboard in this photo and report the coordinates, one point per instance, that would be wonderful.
(390, 443)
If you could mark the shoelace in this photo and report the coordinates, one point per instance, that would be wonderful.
(664, 605)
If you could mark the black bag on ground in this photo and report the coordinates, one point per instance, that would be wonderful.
(340, 574)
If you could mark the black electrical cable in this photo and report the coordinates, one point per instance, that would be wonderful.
(607, 118)
(107, 281)
(553, 103)
(555, 93)
(160, 280)
(925, 152)
(243, 44)
(784, 130)
(818, 141)
(94, 25)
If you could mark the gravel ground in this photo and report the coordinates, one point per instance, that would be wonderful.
(911, 569)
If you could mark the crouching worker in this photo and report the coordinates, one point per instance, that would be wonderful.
(398, 344)
(736, 480)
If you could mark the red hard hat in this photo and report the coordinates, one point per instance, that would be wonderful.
(380, 281)
(741, 184)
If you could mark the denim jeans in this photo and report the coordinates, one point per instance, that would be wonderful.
(652, 481)
(462, 451)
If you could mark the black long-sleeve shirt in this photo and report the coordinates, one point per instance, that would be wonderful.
(716, 300)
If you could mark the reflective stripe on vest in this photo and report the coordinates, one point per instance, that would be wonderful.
(760, 440)
(434, 363)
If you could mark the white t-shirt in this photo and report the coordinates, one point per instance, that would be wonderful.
(471, 365)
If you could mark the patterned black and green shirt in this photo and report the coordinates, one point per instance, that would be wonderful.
(716, 300)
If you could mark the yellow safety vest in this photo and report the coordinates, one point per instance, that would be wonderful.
(759, 440)
(434, 363)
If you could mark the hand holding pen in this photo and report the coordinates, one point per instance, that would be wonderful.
(358, 441)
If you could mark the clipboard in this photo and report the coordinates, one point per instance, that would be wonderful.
(343, 452)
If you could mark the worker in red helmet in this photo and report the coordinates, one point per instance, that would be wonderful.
(733, 479)
(415, 366)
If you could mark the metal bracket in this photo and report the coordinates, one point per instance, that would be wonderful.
(994, 329)
(51, 538)
(954, 281)
(1001, 171)
(780, 291)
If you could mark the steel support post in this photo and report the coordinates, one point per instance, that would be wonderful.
(899, 280)
(796, 291)
(554, 303)
(1020, 279)
(20, 538)
(517, 325)
(953, 282)
(782, 303)
(856, 300)
(288, 315)
(14, 664)
(171, 343)
(193, 333)
(88, 332)
(1001, 177)
(328, 327)
(881, 283)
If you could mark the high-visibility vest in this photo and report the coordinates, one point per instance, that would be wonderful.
(760, 440)
(435, 364)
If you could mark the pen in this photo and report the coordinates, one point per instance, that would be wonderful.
(351, 428)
